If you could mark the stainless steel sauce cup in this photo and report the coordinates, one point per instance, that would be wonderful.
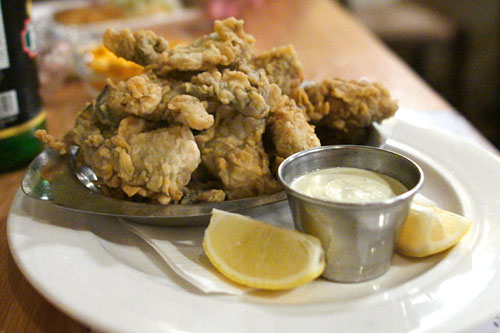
(358, 238)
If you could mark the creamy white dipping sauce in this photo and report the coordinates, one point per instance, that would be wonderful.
(349, 185)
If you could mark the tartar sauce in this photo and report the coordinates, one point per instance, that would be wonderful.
(349, 185)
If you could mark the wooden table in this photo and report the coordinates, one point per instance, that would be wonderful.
(329, 42)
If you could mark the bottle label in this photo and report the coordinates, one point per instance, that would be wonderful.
(4, 54)
(9, 108)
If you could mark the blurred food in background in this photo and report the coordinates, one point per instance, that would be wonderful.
(106, 63)
(70, 35)
(100, 11)
(96, 64)
(89, 14)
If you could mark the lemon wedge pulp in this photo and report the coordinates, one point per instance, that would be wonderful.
(260, 255)
(429, 230)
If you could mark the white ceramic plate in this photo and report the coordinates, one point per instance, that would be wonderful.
(105, 277)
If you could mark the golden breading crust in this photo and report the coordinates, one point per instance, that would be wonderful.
(136, 157)
(233, 151)
(228, 44)
(290, 130)
(343, 105)
(282, 67)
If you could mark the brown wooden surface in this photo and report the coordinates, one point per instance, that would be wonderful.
(329, 43)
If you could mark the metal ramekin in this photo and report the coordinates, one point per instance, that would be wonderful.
(358, 238)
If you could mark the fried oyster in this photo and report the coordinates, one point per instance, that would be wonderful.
(211, 120)
(343, 110)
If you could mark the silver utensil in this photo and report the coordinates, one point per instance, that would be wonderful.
(358, 238)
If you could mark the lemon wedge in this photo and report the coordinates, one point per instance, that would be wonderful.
(260, 255)
(429, 230)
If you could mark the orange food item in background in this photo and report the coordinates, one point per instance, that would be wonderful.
(106, 63)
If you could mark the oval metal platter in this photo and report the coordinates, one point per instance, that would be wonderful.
(52, 177)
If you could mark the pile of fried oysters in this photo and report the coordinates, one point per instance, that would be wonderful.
(212, 120)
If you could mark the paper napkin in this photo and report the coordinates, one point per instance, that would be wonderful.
(181, 249)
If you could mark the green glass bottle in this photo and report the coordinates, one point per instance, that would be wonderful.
(21, 111)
